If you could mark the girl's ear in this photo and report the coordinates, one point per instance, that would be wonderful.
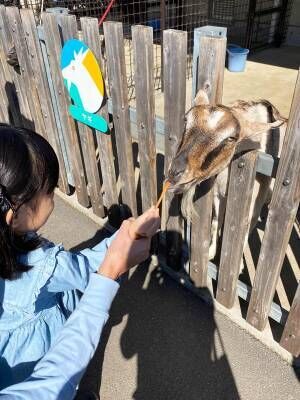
(9, 216)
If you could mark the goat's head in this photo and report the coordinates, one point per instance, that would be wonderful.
(213, 134)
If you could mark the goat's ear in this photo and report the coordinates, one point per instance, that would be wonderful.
(250, 129)
(201, 98)
(246, 144)
(251, 133)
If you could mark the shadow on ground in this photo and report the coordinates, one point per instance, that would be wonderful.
(174, 337)
(280, 57)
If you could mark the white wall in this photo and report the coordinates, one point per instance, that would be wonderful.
(293, 33)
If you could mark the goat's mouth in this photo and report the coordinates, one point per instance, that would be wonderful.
(179, 188)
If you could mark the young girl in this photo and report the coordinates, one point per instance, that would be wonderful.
(37, 278)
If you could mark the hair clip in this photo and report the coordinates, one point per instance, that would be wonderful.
(5, 204)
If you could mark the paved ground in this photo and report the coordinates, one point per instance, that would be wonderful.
(162, 343)
(270, 74)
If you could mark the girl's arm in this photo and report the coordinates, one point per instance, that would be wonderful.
(57, 375)
(72, 270)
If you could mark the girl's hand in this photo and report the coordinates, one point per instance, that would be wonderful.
(124, 252)
(146, 225)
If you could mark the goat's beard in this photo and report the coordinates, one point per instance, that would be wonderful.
(187, 203)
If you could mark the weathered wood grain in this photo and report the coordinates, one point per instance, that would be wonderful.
(236, 225)
(113, 33)
(210, 78)
(142, 41)
(69, 31)
(44, 95)
(175, 55)
(281, 216)
(27, 77)
(290, 339)
(91, 37)
(53, 44)
(16, 98)
(211, 67)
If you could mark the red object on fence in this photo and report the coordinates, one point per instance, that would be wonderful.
(111, 3)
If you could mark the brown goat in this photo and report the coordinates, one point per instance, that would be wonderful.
(212, 136)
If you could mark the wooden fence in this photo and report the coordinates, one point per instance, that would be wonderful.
(107, 170)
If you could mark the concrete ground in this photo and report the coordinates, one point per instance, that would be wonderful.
(162, 343)
(270, 74)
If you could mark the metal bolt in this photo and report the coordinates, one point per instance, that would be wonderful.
(142, 125)
(241, 164)
(223, 289)
(45, 115)
(195, 269)
(286, 182)
(59, 92)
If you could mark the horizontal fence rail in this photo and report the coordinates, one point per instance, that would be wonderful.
(128, 165)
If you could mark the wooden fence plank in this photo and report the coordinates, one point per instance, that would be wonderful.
(91, 37)
(12, 83)
(69, 31)
(210, 78)
(281, 216)
(142, 41)
(39, 74)
(290, 339)
(53, 44)
(4, 103)
(113, 33)
(240, 188)
(27, 76)
(175, 55)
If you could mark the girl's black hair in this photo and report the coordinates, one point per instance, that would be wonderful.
(28, 164)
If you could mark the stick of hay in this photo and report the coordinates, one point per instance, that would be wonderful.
(163, 192)
(135, 235)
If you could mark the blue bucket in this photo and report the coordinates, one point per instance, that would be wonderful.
(237, 57)
(155, 24)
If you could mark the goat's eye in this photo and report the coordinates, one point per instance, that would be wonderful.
(230, 139)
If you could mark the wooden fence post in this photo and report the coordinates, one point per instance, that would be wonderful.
(39, 74)
(27, 76)
(290, 339)
(113, 33)
(12, 81)
(210, 78)
(236, 225)
(281, 216)
(91, 37)
(175, 55)
(142, 40)
(53, 44)
(69, 31)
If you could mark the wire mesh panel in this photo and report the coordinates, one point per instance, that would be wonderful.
(250, 23)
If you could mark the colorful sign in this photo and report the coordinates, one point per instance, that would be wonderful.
(84, 81)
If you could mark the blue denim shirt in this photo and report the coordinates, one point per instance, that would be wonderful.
(57, 375)
(34, 307)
